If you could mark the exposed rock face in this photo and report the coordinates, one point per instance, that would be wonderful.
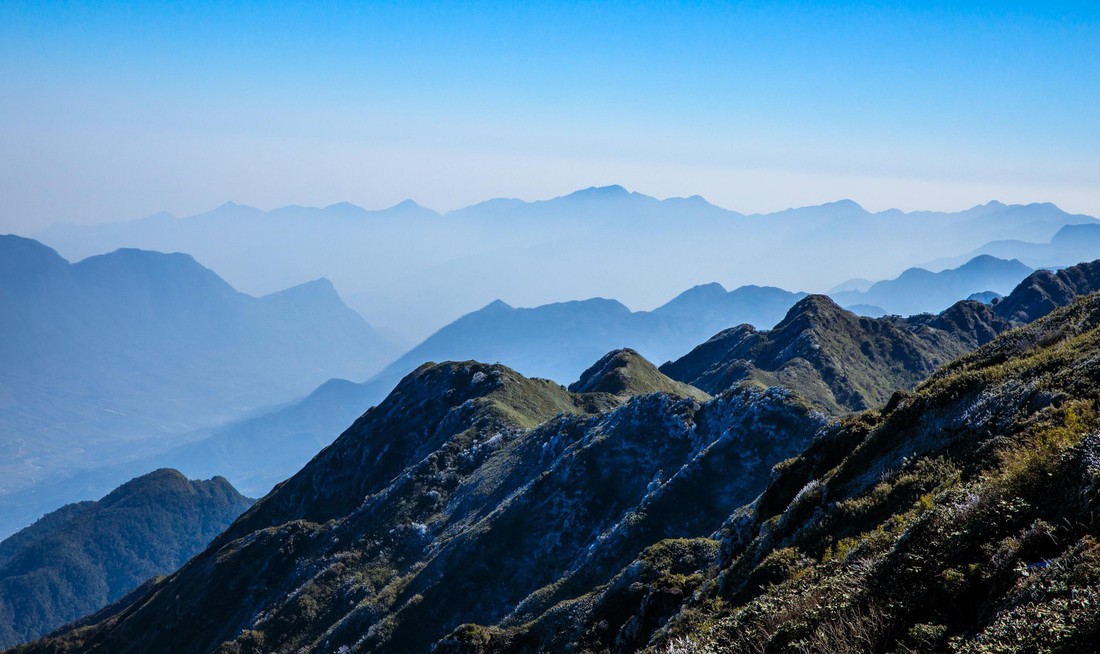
(472, 494)
(963, 517)
(844, 362)
(1044, 291)
(476, 510)
(839, 360)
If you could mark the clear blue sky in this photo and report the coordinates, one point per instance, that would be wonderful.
(113, 111)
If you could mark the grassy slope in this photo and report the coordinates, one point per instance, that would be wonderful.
(963, 517)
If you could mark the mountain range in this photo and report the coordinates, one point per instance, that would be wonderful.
(81, 557)
(412, 271)
(257, 451)
(1070, 244)
(555, 341)
(276, 444)
(119, 355)
(478, 510)
(560, 340)
(922, 291)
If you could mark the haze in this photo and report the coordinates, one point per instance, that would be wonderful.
(112, 111)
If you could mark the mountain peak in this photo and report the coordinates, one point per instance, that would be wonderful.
(815, 304)
(990, 262)
(345, 209)
(982, 259)
(713, 288)
(407, 203)
(845, 202)
(20, 255)
(624, 372)
(497, 305)
(610, 190)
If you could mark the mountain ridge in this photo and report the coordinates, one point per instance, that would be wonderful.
(475, 496)
(81, 557)
(127, 353)
(380, 263)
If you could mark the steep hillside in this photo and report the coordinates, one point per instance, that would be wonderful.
(844, 362)
(278, 443)
(963, 517)
(76, 560)
(1044, 291)
(470, 493)
(839, 360)
(476, 510)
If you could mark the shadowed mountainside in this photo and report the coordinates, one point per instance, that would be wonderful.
(839, 377)
(963, 517)
(76, 560)
(558, 518)
(845, 362)
(468, 491)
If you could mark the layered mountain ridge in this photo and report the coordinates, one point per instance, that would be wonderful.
(845, 362)
(117, 355)
(918, 290)
(591, 517)
(558, 341)
(591, 243)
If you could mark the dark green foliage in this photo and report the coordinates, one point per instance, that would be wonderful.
(81, 557)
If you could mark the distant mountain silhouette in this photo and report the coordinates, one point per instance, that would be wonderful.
(103, 359)
(1069, 245)
(867, 310)
(762, 306)
(985, 297)
(560, 340)
(921, 291)
(81, 557)
(595, 242)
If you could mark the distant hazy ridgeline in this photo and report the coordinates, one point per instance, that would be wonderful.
(597, 242)
(103, 359)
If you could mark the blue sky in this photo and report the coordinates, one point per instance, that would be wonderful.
(113, 111)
